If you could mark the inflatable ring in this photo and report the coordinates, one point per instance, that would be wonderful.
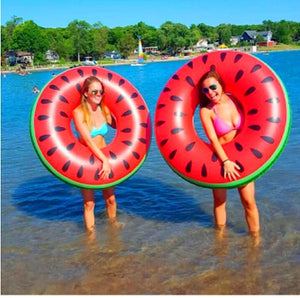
(265, 129)
(59, 149)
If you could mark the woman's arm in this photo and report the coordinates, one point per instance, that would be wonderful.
(228, 165)
(83, 129)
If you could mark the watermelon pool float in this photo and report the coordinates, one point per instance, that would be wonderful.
(58, 147)
(265, 129)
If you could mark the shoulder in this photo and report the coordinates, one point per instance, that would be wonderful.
(78, 112)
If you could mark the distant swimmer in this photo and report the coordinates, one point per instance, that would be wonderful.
(35, 90)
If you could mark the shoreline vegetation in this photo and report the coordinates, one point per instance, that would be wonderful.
(150, 59)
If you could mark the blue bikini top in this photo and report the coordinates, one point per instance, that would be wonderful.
(99, 131)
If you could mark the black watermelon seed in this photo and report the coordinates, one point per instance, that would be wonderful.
(175, 98)
(190, 81)
(80, 72)
(223, 56)
(161, 106)
(134, 95)
(136, 155)
(126, 164)
(43, 138)
(166, 89)
(109, 76)
(252, 112)
(176, 130)
(121, 82)
(70, 146)
(54, 87)
(111, 175)
(141, 108)
(222, 172)
(121, 97)
(128, 143)
(62, 113)
(159, 123)
(249, 91)
(80, 172)
(163, 142)
(92, 159)
(175, 77)
(179, 114)
(268, 139)
(172, 154)
(257, 153)
(45, 101)
(188, 167)
(238, 146)
(66, 166)
(51, 151)
(63, 99)
(113, 155)
(59, 128)
(126, 130)
(268, 79)
(96, 177)
(204, 171)
(94, 71)
(43, 117)
(190, 146)
(212, 67)
(64, 78)
(78, 87)
(238, 75)
(204, 59)
(214, 157)
(274, 119)
(254, 127)
(142, 140)
(129, 112)
(190, 64)
(144, 125)
(256, 67)
(273, 100)
(237, 58)
(241, 170)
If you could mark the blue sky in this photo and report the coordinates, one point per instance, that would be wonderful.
(113, 13)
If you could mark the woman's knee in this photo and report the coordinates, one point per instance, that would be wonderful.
(109, 196)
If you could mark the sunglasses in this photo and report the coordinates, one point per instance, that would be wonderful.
(211, 87)
(95, 92)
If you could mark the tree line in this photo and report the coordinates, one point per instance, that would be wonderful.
(80, 39)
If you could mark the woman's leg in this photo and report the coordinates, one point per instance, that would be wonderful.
(247, 194)
(89, 206)
(220, 207)
(110, 202)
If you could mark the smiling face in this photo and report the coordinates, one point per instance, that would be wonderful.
(94, 93)
(212, 89)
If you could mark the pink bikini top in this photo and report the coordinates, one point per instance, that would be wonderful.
(222, 127)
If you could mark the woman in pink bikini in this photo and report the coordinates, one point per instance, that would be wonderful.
(221, 120)
(91, 119)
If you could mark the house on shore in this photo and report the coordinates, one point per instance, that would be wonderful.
(251, 36)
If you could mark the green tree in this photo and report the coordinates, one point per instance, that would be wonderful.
(30, 37)
(224, 33)
(81, 38)
(126, 45)
(100, 36)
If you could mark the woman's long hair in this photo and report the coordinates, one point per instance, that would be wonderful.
(84, 104)
(204, 101)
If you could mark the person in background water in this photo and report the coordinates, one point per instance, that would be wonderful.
(91, 119)
(221, 120)
(35, 90)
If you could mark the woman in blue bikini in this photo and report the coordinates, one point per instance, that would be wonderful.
(221, 120)
(91, 118)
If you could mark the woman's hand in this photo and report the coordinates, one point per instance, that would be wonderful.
(231, 170)
(106, 170)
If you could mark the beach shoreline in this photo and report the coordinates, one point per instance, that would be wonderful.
(120, 62)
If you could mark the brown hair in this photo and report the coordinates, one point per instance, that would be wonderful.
(204, 101)
(84, 103)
